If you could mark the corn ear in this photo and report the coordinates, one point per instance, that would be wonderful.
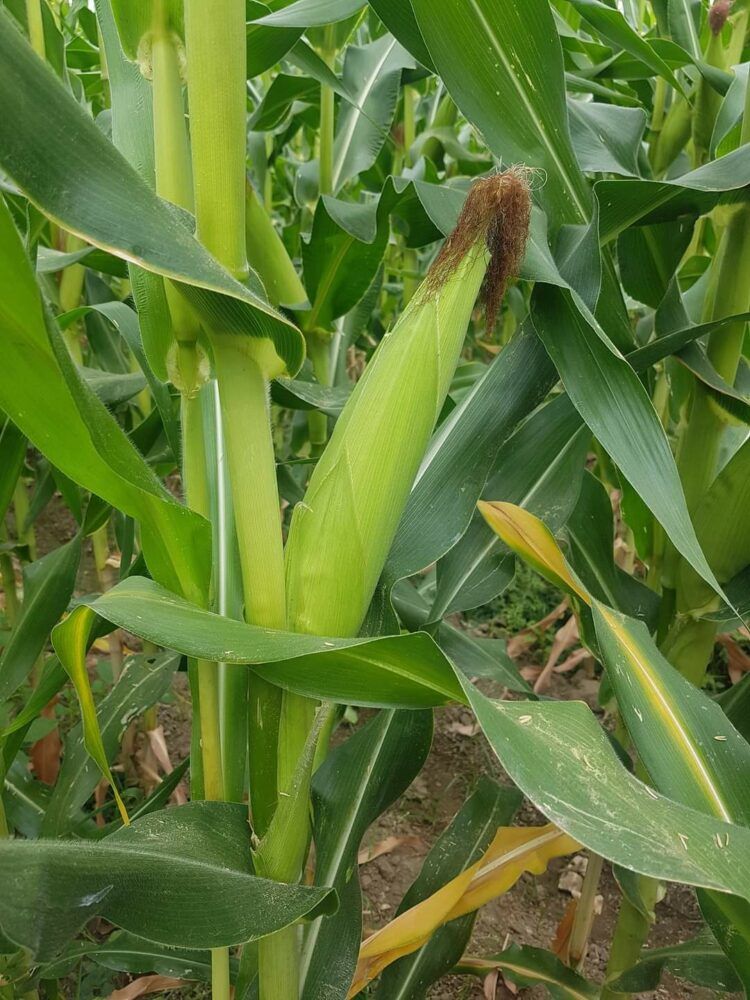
(341, 532)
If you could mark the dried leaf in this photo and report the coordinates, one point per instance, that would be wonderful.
(565, 637)
(561, 942)
(45, 753)
(514, 850)
(738, 662)
(148, 984)
(527, 636)
(464, 728)
(490, 984)
(385, 846)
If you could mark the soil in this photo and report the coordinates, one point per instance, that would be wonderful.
(531, 911)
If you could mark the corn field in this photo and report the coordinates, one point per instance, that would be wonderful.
(320, 322)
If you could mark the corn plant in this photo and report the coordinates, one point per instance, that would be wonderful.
(318, 318)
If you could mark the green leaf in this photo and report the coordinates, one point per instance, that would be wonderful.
(723, 526)
(526, 966)
(539, 468)
(606, 138)
(126, 952)
(87, 187)
(356, 783)
(266, 46)
(610, 24)
(279, 98)
(312, 13)
(619, 412)
(180, 877)
(142, 682)
(113, 388)
(699, 961)
(372, 75)
(406, 671)
(133, 135)
(463, 842)
(731, 401)
(688, 745)
(559, 757)
(52, 679)
(48, 587)
(73, 429)
(462, 453)
(625, 202)
(12, 456)
(590, 533)
(399, 18)
(502, 64)
(648, 257)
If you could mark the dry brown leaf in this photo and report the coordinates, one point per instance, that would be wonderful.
(463, 728)
(147, 984)
(385, 846)
(561, 943)
(527, 636)
(738, 662)
(490, 984)
(45, 753)
(565, 637)
(572, 661)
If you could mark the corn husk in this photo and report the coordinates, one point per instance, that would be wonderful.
(343, 529)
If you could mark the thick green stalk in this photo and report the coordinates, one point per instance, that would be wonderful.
(71, 288)
(707, 101)
(216, 54)
(246, 417)
(36, 26)
(215, 37)
(205, 673)
(278, 964)
(196, 494)
(24, 531)
(227, 600)
(728, 294)
(319, 352)
(631, 932)
(8, 581)
(247, 430)
(327, 115)
(700, 446)
(673, 135)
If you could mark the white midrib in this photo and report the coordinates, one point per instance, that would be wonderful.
(683, 736)
(529, 108)
(348, 134)
(517, 852)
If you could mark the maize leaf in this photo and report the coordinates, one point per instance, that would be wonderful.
(514, 850)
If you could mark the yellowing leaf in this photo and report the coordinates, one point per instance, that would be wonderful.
(531, 539)
(70, 645)
(514, 850)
